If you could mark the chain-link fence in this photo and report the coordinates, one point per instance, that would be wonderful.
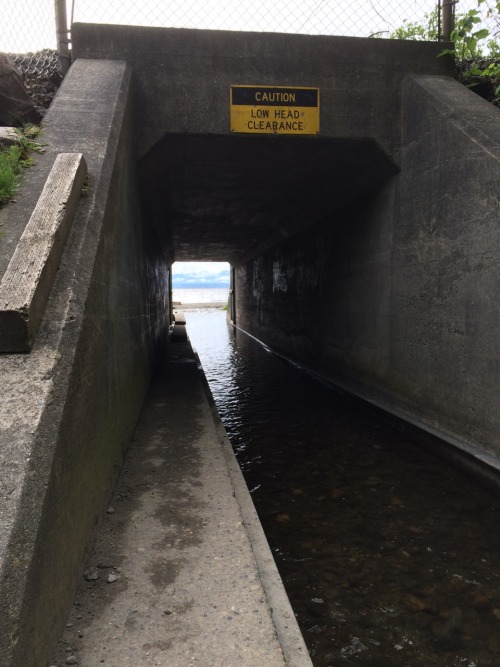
(362, 18)
(29, 26)
(30, 34)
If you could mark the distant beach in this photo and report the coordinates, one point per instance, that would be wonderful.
(191, 298)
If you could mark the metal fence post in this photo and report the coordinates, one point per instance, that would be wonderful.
(448, 22)
(62, 33)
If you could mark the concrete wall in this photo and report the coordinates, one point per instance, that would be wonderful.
(183, 76)
(396, 297)
(68, 408)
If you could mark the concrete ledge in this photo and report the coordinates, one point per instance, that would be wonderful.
(196, 583)
(287, 630)
(179, 317)
(178, 333)
(25, 287)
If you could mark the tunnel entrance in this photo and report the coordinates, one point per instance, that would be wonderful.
(200, 284)
(230, 198)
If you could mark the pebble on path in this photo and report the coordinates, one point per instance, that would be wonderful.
(91, 574)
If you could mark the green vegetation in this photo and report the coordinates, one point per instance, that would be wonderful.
(476, 48)
(425, 31)
(10, 170)
(15, 159)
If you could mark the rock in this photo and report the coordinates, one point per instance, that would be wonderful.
(91, 574)
(16, 107)
(71, 660)
(112, 578)
(110, 510)
(8, 136)
(422, 620)
(480, 601)
(447, 635)
(417, 604)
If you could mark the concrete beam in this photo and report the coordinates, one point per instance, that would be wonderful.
(26, 284)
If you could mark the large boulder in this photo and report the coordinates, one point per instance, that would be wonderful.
(16, 107)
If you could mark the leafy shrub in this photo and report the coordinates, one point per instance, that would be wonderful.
(476, 48)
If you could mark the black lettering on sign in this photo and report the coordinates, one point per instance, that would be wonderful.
(274, 97)
(275, 126)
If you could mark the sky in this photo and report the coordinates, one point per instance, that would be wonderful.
(29, 24)
(200, 274)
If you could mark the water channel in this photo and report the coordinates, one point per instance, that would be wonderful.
(389, 556)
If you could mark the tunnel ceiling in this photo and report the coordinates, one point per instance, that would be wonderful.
(228, 198)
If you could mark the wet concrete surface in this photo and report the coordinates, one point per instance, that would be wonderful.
(389, 555)
(172, 578)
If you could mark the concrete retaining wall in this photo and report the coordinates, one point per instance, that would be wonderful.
(68, 408)
(396, 298)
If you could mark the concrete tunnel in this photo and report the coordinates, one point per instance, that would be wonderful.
(367, 252)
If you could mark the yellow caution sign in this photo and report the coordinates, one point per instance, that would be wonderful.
(274, 110)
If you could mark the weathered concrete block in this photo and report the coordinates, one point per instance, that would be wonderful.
(25, 287)
(8, 136)
(179, 317)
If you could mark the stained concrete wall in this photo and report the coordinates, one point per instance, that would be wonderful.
(68, 408)
(183, 76)
(396, 296)
(218, 195)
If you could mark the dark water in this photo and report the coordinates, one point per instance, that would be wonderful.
(389, 557)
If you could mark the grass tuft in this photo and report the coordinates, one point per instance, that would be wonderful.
(10, 172)
(16, 158)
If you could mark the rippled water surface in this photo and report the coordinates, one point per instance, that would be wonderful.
(389, 557)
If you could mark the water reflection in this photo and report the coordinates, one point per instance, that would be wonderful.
(389, 557)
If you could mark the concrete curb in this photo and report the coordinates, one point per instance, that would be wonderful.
(289, 636)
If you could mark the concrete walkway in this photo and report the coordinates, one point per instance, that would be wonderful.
(180, 573)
